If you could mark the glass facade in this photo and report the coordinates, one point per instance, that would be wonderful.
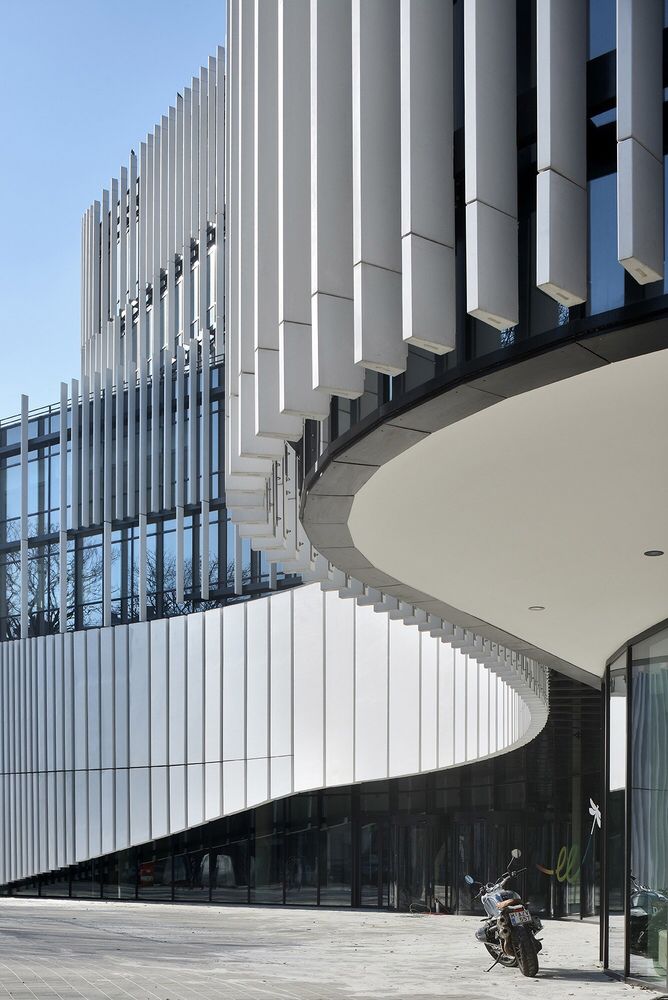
(401, 844)
(85, 546)
(636, 813)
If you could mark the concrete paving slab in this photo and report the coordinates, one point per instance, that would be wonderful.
(118, 951)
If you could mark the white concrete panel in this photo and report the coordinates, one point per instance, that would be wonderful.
(378, 331)
(446, 706)
(80, 702)
(195, 686)
(460, 707)
(427, 121)
(429, 704)
(159, 689)
(639, 212)
(94, 814)
(561, 91)
(108, 797)
(377, 186)
(308, 691)
(93, 691)
(80, 813)
(177, 691)
(295, 371)
(140, 805)
(213, 688)
(249, 444)
(70, 854)
(139, 703)
(61, 819)
(257, 700)
(561, 238)
(234, 684)
(213, 791)
(294, 213)
(195, 799)
(177, 798)
(122, 812)
(371, 695)
(332, 314)
(483, 712)
(269, 421)
(471, 708)
(280, 696)
(339, 689)
(334, 369)
(121, 705)
(31, 662)
(59, 705)
(490, 99)
(428, 294)
(640, 73)
(427, 181)
(159, 801)
(404, 699)
(491, 266)
(51, 823)
(68, 701)
(234, 786)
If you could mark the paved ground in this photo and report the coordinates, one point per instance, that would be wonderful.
(55, 948)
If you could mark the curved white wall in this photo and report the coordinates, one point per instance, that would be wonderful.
(118, 736)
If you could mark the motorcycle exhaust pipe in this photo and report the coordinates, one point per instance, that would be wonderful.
(505, 936)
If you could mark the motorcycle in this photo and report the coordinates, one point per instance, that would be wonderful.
(509, 930)
(647, 918)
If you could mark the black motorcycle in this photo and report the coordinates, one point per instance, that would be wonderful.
(509, 930)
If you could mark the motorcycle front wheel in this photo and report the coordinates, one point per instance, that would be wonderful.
(507, 961)
(525, 950)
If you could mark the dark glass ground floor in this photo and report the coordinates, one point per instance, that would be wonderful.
(399, 844)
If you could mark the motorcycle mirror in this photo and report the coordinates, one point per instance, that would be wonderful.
(516, 853)
(469, 879)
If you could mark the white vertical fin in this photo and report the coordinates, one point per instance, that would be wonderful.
(490, 153)
(561, 191)
(427, 179)
(379, 343)
(640, 191)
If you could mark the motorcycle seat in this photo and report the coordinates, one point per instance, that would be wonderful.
(509, 902)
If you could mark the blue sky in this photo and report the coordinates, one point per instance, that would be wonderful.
(83, 82)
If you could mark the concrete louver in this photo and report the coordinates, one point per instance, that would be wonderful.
(640, 138)
(490, 114)
(296, 212)
(561, 183)
(342, 208)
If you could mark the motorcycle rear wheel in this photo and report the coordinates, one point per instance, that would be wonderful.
(507, 961)
(525, 950)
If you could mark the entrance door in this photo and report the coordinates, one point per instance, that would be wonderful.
(374, 863)
(413, 888)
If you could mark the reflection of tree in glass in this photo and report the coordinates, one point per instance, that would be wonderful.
(43, 597)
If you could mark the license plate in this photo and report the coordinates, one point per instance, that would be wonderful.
(520, 917)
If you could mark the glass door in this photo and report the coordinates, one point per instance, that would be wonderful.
(412, 882)
(374, 875)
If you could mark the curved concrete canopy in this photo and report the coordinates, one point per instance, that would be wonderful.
(549, 498)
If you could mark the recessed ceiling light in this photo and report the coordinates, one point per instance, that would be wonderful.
(653, 552)
(537, 607)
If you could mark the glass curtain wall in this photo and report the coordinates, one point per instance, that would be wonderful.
(636, 819)
(85, 561)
